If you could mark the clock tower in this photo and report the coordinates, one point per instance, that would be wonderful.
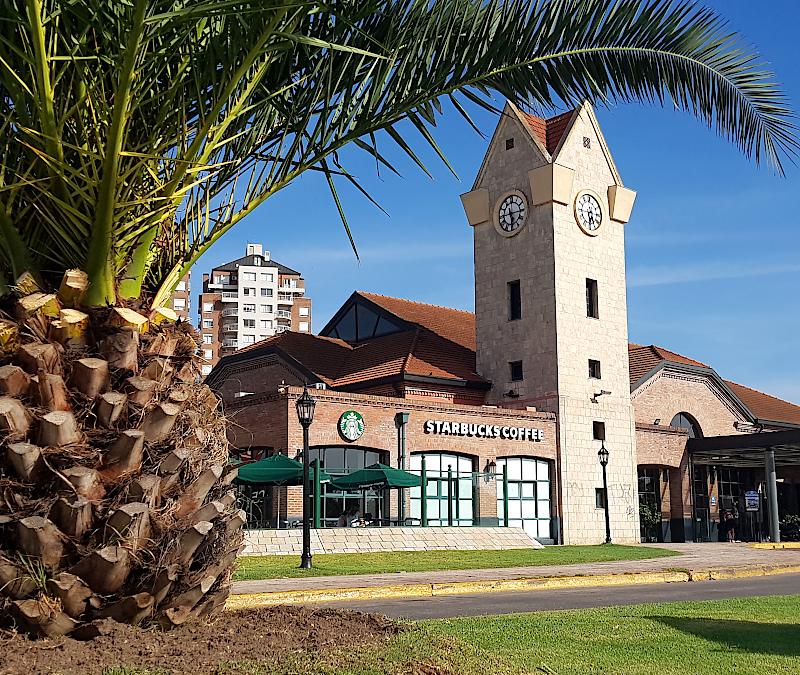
(548, 210)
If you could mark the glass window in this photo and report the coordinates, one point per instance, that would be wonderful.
(650, 499)
(248, 308)
(262, 337)
(516, 371)
(249, 276)
(208, 306)
(249, 323)
(591, 299)
(269, 292)
(220, 279)
(249, 291)
(208, 323)
(338, 461)
(248, 339)
(208, 353)
(206, 369)
(528, 494)
(270, 277)
(594, 369)
(450, 492)
(303, 311)
(181, 287)
(599, 431)
(179, 304)
(686, 421)
(208, 339)
(514, 301)
(264, 291)
(304, 326)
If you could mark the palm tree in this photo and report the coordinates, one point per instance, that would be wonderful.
(135, 134)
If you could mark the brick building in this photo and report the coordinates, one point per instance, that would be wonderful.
(249, 300)
(535, 382)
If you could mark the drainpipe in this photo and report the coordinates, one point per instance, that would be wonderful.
(400, 421)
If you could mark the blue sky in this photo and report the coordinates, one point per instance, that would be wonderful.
(712, 245)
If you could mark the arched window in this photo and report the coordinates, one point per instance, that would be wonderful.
(686, 421)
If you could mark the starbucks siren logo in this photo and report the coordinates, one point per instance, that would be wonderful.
(351, 425)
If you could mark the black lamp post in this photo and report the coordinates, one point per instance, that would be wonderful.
(305, 414)
(602, 454)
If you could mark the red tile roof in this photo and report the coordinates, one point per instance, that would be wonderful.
(452, 324)
(642, 359)
(766, 407)
(549, 130)
(443, 345)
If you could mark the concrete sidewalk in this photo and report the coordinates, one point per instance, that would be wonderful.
(697, 562)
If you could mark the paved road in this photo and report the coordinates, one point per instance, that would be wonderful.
(481, 604)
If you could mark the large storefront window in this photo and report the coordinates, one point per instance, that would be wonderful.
(341, 460)
(528, 494)
(650, 504)
(449, 492)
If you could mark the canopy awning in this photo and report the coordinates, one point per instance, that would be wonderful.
(747, 450)
(378, 477)
(275, 470)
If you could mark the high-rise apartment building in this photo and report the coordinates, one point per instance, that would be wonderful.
(181, 298)
(248, 300)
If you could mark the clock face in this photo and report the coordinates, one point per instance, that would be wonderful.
(511, 214)
(588, 212)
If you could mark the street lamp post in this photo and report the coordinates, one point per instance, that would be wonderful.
(602, 454)
(305, 414)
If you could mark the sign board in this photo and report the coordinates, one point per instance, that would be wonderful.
(713, 501)
(751, 500)
(351, 425)
(483, 430)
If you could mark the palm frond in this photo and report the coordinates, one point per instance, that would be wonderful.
(136, 134)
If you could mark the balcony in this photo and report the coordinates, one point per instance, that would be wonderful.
(230, 343)
(230, 297)
(231, 311)
(222, 286)
(283, 314)
(230, 327)
(281, 329)
(248, 310)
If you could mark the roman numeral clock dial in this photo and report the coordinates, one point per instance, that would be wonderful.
(589, 212)
(511, 213)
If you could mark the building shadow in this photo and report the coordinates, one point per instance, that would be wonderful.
(748, 636)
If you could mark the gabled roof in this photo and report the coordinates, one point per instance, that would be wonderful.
(250, 260)
(643, 359)
(550, 130)
(436, 342)
(454, 325)
(766, 407)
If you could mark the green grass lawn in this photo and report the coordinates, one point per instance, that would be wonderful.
(277, 566)
(756, 636)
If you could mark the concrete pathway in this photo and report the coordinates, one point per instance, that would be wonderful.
(707, 556)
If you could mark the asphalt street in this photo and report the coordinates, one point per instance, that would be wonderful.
(482, 604)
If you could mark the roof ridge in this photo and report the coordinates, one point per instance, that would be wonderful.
(413, 302)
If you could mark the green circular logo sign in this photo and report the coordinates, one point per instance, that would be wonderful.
(351, 425)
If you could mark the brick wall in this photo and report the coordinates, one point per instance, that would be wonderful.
(270, 420)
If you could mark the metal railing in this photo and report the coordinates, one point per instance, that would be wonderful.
(232, 311)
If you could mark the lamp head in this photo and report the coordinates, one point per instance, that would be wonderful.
(602, 454)
(305, 408)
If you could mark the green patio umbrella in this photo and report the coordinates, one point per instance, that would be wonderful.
(377, 477)
(276, 470)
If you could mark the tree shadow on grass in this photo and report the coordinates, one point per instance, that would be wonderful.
(748, 636)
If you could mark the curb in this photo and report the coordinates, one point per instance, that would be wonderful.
(785, 544)
(500, 585)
